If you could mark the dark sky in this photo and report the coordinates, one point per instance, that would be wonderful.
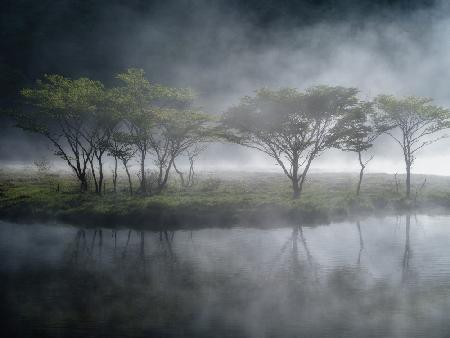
(100, 37)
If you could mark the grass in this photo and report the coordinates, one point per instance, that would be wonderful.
(219, 199)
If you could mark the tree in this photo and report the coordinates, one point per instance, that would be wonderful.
(102, 124)
(120, 148)
(176, 132)
(413, 123)
(191, 154)
(290, 126)
(146, 109)
(60, 108)
(133, 99)
(359, 135)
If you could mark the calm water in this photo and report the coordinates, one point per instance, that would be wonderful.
(374, 278)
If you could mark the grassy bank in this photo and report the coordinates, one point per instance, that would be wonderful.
(219, 199)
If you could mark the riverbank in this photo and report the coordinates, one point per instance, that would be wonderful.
(218, 199)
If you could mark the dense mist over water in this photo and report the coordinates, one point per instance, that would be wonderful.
(371, 277)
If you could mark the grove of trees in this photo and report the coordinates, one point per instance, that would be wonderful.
(137, 120)
(85, 122)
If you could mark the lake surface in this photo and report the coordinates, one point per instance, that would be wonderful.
(385, 277)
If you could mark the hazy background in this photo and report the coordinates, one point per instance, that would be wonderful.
(226, 49)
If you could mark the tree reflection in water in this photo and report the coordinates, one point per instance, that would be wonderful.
(223, 283)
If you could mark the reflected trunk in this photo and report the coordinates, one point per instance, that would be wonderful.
(124, 253)
(295, 260)
(407, 252)
(142, 246)
(361, 242)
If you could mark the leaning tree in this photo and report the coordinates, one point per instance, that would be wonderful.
(413, 123)
(290, 126)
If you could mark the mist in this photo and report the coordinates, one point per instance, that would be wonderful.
(245, 282)
(226, 168)
(224, 51)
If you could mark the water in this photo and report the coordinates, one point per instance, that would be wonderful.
(374, 278)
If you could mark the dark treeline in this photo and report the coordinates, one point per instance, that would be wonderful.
(86, 122)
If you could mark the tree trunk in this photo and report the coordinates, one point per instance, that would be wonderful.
(129, 177)
(180, 173)
(358, 188)
(296, 189)
(303, 176)
(115, 175)
(143, 178)
(408, 180)
(83, 182)
(100, 175)
(162, 181)
(94, 177)
(191, 172)
(361, 173)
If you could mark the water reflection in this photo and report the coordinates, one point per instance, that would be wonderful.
(289, 282)
(407, 252)
(361, 242)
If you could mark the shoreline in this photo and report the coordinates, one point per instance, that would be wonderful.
(257, 201)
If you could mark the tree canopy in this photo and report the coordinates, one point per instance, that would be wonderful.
(153, 123)
(413, 123)
(62, 110)
(290, 126)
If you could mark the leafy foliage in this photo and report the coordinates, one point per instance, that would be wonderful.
(292, 127)
(417, 121)
(65, 111)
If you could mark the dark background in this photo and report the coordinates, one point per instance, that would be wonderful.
(102, 37)
(225, 49)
